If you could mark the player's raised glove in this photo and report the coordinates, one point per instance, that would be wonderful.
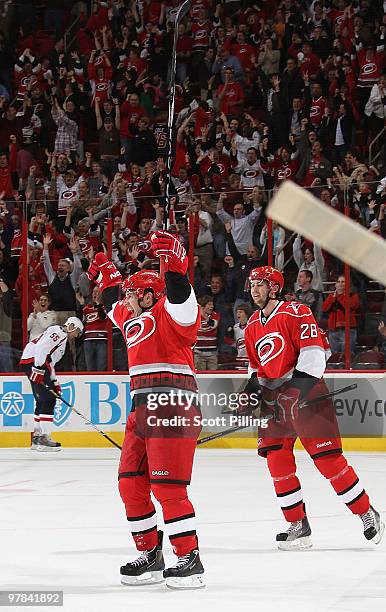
(103, 272)
(287, 404)
(167, 246)
(37, 375)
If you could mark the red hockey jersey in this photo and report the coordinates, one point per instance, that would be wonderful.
(207, 333)
(159, 347)
(288, 339)
(95, 327)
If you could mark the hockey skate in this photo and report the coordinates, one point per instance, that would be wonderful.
(35, 441)
(297, 536)
(373, 526)
(47, 444)
(147, 569)
(187, 573)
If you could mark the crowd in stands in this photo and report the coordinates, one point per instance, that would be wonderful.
(266, 91)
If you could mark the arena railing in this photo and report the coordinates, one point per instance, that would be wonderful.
(275, 251)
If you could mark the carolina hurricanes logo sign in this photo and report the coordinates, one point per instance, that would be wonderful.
(269, 347)
(139, 329)
(250, 173)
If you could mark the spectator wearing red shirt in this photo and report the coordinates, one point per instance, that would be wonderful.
(317, 103)
(245, 52)
(314, 167)
(230, 94)
(130, 112)
(285, 166)
(201, 29)
(335, 307)
(6, 188)
(99, 74)
(96, 326)
(206, 347)
(310, 63)
(184, 52)
(370, 63)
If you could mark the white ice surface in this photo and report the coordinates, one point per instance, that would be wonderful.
(63, 527)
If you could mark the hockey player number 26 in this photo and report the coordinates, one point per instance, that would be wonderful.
(309, 330)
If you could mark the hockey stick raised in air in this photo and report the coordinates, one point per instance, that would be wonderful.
(298, 210)
(59, 397)
(320, 398)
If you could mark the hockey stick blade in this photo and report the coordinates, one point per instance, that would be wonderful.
(298, 210)
(102, 433)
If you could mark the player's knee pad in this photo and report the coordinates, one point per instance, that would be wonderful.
(134, 490)
(281, 463)
(164, 492)
(331, 465)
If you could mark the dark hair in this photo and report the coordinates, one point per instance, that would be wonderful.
(245, 308)
(308, 274)
(204, 300)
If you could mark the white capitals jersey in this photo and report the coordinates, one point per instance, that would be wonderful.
(46, 350)
(239, 334)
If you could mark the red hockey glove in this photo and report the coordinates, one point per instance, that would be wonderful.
(287, 404)
(170, 248)
(37, 375)
(57, 387)
(103, 272)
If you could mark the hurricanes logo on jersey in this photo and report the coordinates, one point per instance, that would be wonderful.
(138, 329)
(269, 347)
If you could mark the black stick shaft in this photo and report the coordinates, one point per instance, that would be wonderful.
(59, 397)
(320, 398)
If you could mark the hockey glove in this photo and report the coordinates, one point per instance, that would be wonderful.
(103, 272)
(57, 388)
(249, 398)
(37, 375)
(170, 248)
(287, 404)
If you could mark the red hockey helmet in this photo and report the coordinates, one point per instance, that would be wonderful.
(139, 282)
(269, 274)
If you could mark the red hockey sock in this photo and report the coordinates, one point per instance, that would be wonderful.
(344, 481)
(179, 516)
(282, 467)
(140, 511)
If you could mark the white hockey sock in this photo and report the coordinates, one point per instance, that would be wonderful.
(46, 423)
(37, 428)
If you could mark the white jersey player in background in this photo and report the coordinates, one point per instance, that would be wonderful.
(38, 361)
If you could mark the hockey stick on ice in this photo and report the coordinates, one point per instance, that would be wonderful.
(230, 430)
(60, 397)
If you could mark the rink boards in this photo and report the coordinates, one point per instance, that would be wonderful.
(105, 401)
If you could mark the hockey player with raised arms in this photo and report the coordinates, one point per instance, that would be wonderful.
(287, 356)
(38, 361)
(159, 331)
